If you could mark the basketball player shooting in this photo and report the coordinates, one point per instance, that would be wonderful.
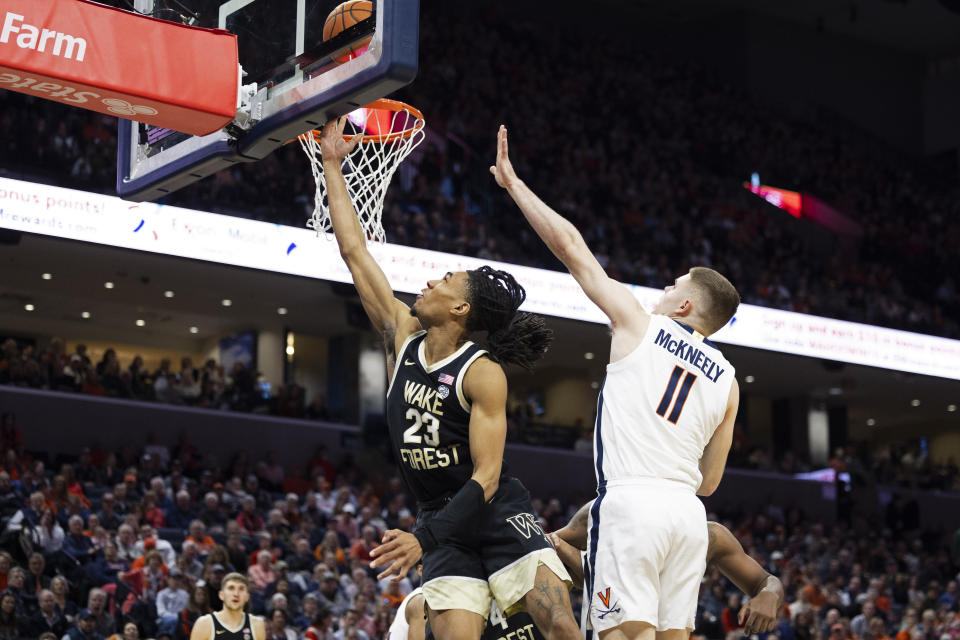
(724, 552)
(446, 413)
(664, 427)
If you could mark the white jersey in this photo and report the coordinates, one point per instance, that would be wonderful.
(660, 405)
(399, 628)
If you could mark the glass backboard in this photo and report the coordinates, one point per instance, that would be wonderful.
(293, 80)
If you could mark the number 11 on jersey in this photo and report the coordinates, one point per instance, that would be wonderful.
(681, 396)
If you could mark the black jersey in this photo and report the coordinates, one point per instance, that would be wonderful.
(519, 626)
(429, 419)
(220, 632)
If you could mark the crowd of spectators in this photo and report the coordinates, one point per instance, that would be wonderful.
(207, 387)
(135, 543)
(904, 465)
(843, 581)
(645, 154)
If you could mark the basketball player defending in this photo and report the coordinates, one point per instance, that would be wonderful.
(446, 412)
(231, 622)
(664, 427)
(724, 552)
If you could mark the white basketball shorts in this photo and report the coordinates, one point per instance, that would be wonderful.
(646, 555)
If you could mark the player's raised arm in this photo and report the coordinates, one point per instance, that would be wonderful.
(388, 315)
(765, 590)
(568, 245)
(714, 458)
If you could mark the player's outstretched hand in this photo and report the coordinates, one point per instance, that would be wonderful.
(759, 614)
(569, 556)
(399, 552)
(503, 171)
(332, 144)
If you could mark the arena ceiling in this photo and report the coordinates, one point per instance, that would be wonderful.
(928, 27)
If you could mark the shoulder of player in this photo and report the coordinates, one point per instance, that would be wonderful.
(259, 627)
(483, 376)
(203, 626)
(733, 400)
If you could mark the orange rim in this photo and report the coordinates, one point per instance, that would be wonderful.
(386, 104)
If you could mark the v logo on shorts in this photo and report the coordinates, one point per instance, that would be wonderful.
(604, 597)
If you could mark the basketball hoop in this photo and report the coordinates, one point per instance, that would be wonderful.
(391, 130)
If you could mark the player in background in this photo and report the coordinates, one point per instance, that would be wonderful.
(410, 622)
(231, 622)
(664, 426)
(446, 413)
(724, 552)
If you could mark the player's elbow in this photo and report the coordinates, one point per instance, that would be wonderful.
(352, 249)
(708, 486)
(489, 483)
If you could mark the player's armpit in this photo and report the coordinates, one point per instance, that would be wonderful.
(486, 386)
(714, 458)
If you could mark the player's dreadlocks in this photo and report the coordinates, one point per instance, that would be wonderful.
(514, 337)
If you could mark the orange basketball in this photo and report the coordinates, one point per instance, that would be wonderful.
(343, 17)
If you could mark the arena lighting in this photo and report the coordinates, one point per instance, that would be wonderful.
(915, 402)
(85, 315)
(871, 422)
(588, 355)
(141, 323)
(749, 379)
(226, 302)
(951, 408)
(282, 311)
(47, 276)
(108, 285)
(105, 220)
(194, 330)
(789, 201)
(168, 294)
(28, 307)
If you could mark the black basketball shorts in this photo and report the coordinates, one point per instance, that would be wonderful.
(497, 557)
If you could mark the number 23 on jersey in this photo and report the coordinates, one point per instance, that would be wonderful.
(411, 435)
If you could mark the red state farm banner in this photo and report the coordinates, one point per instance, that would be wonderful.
(96, 57)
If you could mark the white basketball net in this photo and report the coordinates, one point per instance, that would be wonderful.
(369, 167)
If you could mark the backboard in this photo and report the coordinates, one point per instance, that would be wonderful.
(291, 83)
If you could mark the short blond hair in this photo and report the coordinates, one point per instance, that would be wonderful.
(719, 295)
(234, 577)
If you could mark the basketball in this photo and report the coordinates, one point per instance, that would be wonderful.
(343, 17)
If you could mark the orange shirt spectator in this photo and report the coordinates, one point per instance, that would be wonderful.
(815, 595)
(368, 542)
(198, 534)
